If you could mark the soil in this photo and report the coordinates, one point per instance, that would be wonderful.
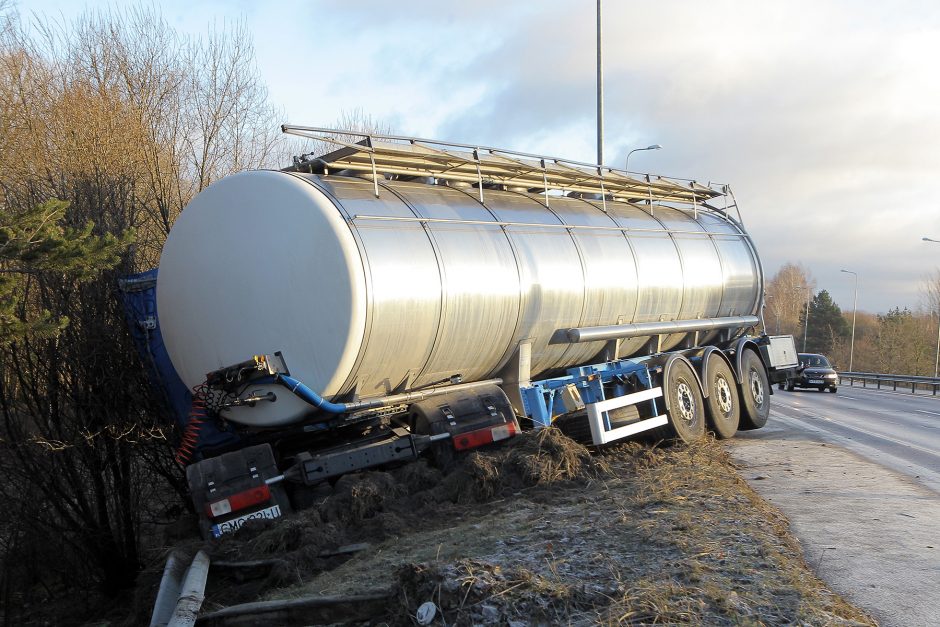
(537, 531)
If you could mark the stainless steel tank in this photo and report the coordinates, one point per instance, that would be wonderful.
(367, 294)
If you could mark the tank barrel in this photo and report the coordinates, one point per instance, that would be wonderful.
(389, 282)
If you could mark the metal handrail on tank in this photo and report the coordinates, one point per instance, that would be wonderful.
(561, 225)
(413, 156)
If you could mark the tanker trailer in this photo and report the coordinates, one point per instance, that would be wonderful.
(397, 296)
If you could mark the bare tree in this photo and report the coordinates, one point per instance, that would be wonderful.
(357, 120)
(232, 126)
(124, 119)
(930, 298)
(930, 292)
(201, 104)
(787, 294)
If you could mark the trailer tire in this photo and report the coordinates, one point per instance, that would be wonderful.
(723, 402)
(755, 392)
(685, 402)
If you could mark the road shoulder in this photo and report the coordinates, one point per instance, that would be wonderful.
(871, 533)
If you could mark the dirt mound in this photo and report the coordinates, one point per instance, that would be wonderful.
(533, 458)
(371, 506)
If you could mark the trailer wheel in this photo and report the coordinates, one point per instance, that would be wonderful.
(755, 392)
(686, 406)
(723, 402)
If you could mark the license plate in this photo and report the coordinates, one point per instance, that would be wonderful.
(235, 524)
(817, 381)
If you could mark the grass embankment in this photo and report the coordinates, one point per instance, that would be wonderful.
(543, 531)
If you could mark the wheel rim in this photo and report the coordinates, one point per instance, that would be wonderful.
(757, 388)
(686, 402)
(723, 394)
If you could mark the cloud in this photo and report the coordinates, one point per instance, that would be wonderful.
(820, 114)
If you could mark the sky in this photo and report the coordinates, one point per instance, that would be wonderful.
(822, 115)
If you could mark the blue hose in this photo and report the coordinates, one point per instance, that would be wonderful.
(306, 394)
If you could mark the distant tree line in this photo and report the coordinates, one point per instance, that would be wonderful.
(901, 341)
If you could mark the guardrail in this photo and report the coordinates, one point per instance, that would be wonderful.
(924, 383)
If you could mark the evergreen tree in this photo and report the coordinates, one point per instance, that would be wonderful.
(905, 343)
(35, 241)
(826, 324)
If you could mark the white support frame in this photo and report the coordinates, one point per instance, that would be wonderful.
(595, 411)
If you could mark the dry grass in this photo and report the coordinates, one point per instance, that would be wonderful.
(684, 541)
(733, 552)
(543, 531)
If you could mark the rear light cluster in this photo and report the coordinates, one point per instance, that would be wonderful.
(239, 501)
(487, 435)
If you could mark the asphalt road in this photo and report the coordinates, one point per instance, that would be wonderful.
(858, 475)
(899, 430)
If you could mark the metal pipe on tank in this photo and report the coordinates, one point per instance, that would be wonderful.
(613, 332)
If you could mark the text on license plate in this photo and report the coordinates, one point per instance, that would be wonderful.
(235, 524)
(817, 381)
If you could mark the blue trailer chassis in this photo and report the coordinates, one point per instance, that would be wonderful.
(598, 389)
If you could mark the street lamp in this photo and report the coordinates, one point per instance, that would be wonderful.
(854, 310)
(600, 91)
(652, 147)
(936, 363)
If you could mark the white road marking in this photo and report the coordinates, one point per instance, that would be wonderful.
(924, 411)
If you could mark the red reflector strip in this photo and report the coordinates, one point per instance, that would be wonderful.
(487, 435)
(239, 501)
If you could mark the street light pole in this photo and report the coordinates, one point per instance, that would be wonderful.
(600, 91)
(854, 310)
(651, 147)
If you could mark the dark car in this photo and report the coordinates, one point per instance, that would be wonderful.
(815, 371)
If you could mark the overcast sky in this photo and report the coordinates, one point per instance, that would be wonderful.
(824, 116)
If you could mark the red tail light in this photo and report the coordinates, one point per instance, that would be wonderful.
(239, 501)
(487, 435)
